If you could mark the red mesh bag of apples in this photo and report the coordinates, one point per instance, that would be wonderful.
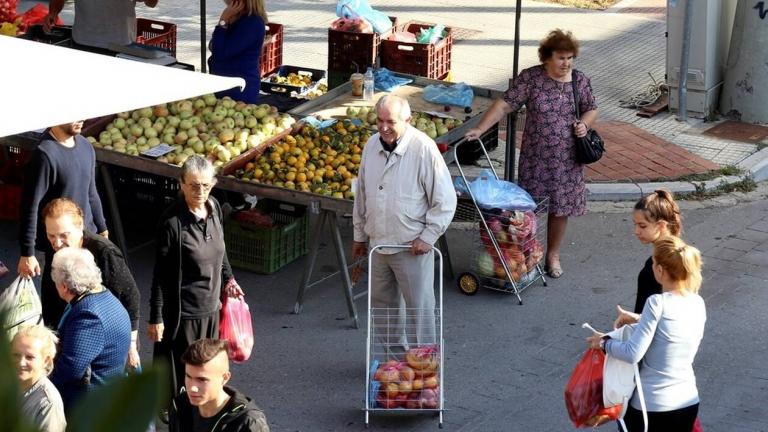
(584, 393)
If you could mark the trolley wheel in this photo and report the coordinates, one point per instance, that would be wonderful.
(468, 283)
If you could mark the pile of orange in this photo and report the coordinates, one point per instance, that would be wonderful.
(312, 160)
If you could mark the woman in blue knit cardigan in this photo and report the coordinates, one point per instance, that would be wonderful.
(236, 47)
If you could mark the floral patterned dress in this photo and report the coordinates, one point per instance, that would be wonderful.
(548, 166)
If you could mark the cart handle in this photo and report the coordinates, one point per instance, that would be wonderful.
(485, 152)
(402, 247)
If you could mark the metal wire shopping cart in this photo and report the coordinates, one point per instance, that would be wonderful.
(404, 362)
(510, 244)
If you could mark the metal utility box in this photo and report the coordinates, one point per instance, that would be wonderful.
(707, 53)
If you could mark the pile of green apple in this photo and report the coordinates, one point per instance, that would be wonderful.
(219, 128)
(365, 114)
(433, 126)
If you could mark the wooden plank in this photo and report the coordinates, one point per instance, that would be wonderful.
(661, 104)
(334, 105)
(29, 141)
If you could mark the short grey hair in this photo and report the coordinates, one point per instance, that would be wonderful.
(199, 165)
(399, 104)
(76, 269)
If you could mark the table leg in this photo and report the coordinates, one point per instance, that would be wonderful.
(314, 247)
(117, 233)
(343, 270)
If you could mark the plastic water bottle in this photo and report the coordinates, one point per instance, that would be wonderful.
(368, 84)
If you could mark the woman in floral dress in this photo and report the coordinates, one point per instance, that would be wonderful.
(548, 166)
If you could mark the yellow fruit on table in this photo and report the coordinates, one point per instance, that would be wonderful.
(321, 162)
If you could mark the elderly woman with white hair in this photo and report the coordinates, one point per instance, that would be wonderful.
(33, 349)
(191, 269)
(95, 329)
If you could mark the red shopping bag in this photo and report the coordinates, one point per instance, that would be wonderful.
(697, 426)
(584, 392)
(236, 328)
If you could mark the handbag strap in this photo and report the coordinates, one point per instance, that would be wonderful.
(575, 94)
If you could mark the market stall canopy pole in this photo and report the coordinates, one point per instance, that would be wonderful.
(55, 85)
(203, 39)
(509, 159)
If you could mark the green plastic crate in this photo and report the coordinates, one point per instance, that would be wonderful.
(267, 250)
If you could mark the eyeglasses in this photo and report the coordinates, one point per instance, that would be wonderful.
(201, 186)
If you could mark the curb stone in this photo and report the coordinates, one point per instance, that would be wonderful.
(755, 166)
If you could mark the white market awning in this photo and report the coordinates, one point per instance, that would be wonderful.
(44, 85)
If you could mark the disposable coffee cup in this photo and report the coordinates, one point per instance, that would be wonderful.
(357, 84)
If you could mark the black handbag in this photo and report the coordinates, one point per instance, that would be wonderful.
(590, 147)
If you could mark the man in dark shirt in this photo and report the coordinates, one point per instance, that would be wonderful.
(64, 227)
(206, 403)
(62, 166)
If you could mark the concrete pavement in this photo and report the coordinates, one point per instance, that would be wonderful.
(623, 51)
(506, 365)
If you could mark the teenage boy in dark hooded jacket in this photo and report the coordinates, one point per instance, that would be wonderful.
(206, 404)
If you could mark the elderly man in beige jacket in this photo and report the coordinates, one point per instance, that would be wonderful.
(404, 197)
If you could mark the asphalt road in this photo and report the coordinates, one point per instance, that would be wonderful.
(506, 365)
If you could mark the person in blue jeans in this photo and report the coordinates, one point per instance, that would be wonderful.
(236, 47)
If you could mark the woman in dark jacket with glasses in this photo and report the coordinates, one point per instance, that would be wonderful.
(191, 269)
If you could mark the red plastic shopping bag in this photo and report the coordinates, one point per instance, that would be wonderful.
(236, 328)
(584, 392)
(697, 426)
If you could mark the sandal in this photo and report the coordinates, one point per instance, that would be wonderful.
(553, 271)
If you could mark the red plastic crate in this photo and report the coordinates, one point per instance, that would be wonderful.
(272, 51)
(350, 52)
(427, 60)
(157, 34)
(12, 161)
(10, 201)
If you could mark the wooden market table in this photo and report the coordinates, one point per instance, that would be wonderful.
(327, 209)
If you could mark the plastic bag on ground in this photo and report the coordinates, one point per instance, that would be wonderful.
(236, 328)
(584, 393)
(491, 193)
(22, 305)
(385, 81)
(361, 9)
(458, 94)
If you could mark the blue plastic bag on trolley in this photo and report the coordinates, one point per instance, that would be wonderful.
(361, 9)
(491, 193)
(458, 94)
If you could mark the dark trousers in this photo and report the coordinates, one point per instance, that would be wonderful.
(679, 420)
(53, 305)
(190, 330)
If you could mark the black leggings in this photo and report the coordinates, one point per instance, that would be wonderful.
(679, 420)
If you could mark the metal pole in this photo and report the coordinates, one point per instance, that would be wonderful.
(682, 114)
(203, 46)
(509, 155)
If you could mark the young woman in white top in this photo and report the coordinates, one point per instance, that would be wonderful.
(33, 349)
(666, 339)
